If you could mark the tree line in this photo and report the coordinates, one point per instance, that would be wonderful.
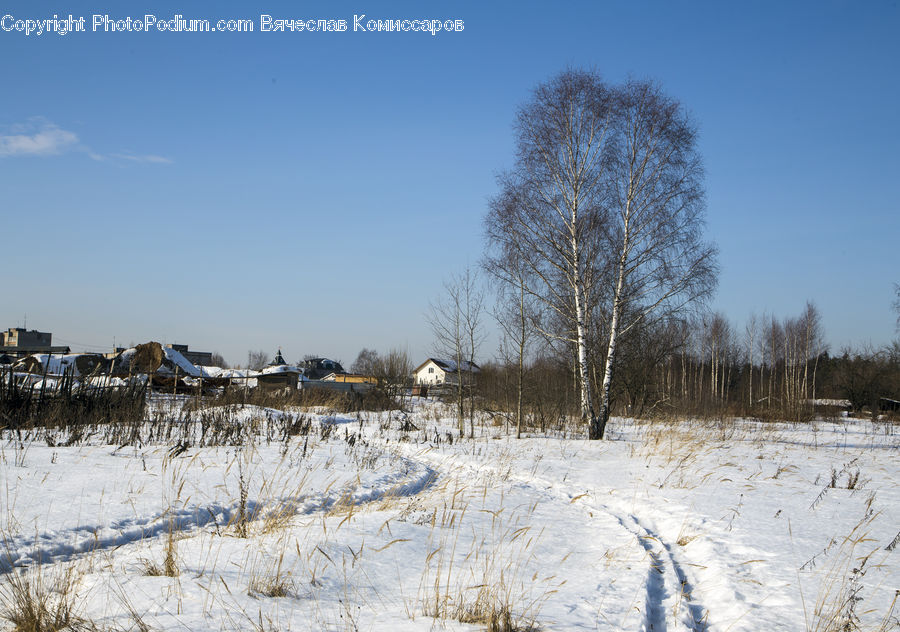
(705, 366)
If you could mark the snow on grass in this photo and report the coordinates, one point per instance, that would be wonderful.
(355, 524)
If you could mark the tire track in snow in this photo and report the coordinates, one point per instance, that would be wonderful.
(667, 584)
(666, 581)
(411, 478)
(654, 611)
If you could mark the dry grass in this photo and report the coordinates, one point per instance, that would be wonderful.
(269, 578)
(31, 601)
(486, 580)
(169, 565)
(839, 601)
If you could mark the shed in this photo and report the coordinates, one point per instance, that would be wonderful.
(278, 377)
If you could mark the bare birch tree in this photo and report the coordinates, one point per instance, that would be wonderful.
(897, 303)
(547, 215)
(607, 184)
(654, 227)
(750, 333)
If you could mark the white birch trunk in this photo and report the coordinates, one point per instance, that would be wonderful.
(599, 428)
(521, 373)
(587, 408)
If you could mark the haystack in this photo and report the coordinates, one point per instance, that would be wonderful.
(77, 364)
(147, 357)
(143, 358)
(153, 358)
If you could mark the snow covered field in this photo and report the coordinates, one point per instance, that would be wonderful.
(353, 523)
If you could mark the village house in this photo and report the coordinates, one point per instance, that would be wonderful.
(436, 371)
(317, 368)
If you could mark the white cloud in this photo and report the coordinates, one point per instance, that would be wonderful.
(153, 158)
(47, 140)
(40, 137)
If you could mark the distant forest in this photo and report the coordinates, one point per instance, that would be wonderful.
(770, 369)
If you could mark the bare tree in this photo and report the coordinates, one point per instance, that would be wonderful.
(395, 373)
(802, 344)
(547, 215)
(607, 185)
(455, 321)
(643, 380)
(366, 363)
(862, 377)
(897, 303)
(515, 313)
(395, 368)
(750, 331)
(218, 360)
(654, 227)
(717, 333)
(256, 360)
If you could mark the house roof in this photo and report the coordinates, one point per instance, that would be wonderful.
(280, 368)
(279, 359)
(449, 365)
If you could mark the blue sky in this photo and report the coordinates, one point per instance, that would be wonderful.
(240, 191)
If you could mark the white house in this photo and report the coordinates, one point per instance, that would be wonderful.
(436, 371)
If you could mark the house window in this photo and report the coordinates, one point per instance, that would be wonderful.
(431, 369)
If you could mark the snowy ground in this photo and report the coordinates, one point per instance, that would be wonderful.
(360, 525)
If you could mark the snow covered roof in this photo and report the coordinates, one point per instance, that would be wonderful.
(450, 366)
(232, 372)
(184, 365)
(280, 368)
(839, 403)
